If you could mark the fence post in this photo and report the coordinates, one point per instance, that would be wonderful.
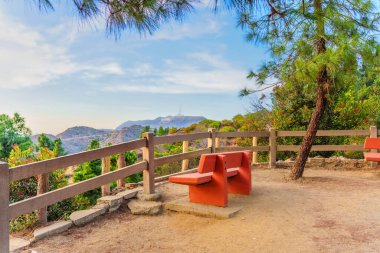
(148, 155)
(273, 148)
(373, 134)
(211, 139)
(185, 149)
(121, 164)
(254, 153)
(70, 173)
(43, 187)
(217, 142)
(106, 166)
(4, 207)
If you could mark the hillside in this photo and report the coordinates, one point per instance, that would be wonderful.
(76, 139)
(81, 131)
(178, 121)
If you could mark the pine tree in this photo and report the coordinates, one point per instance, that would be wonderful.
(320, 44)
(144, 16)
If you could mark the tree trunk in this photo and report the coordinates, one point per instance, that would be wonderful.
(322, 91)
(311, 132)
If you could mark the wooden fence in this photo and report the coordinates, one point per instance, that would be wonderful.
(42, 169)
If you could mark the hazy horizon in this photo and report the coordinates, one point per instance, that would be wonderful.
(104, 128)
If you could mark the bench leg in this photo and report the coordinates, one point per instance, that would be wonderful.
(208, 194)
(241, 183)
(215, 192)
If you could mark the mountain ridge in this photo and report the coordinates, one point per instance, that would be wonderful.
(76, 139)
(177, 121)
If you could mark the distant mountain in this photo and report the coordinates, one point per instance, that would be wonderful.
(178, 121)
(76, 139)
(81, 131)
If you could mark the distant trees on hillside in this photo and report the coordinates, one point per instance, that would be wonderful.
(13, 131)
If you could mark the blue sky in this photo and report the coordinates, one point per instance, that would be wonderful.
(59, 72)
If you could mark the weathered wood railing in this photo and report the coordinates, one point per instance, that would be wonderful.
(147, 166)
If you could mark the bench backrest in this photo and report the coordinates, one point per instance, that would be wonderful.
(208, 161)
(372, 143)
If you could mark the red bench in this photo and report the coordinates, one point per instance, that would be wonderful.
(372, 143)
(218, 174)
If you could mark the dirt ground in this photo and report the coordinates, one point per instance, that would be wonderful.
(328, 211)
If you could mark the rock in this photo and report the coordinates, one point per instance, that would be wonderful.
(113, 209)
(82, 217)
(17, 244)
(101, 206)
(55, 228)
(145, 207)
(112, 201)
(320, 162)
(148, 197)
(128, 194)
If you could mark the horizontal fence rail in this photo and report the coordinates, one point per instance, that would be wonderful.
(180, 157)
(32, 169)
(322, 148)
(55, 196)
(255, 149)
(324, 133)
(147, 166)
(178, 138)
(242, 134)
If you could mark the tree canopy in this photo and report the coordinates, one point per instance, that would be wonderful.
(317, 47)
(13, 131)
(144, 16)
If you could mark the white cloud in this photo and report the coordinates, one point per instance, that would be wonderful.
(198, 73)
(27, 59)
(97, 71)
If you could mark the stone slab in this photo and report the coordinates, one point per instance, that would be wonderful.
(17, 244)
(145, 207)
(128, 194)
(52, 229)
(85, 216)
(112, 201)
(185, 206)
(101, 206)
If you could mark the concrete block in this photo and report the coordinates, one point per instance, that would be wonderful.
(148, 197)
(185, 206)
(82, 217)
(17, 244)
(145, 207)
(52, 229)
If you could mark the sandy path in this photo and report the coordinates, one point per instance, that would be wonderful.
(330, 211)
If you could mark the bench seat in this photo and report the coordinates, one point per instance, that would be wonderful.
(199, 178)
(372, 143)
(191, 179)
(374, 157)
